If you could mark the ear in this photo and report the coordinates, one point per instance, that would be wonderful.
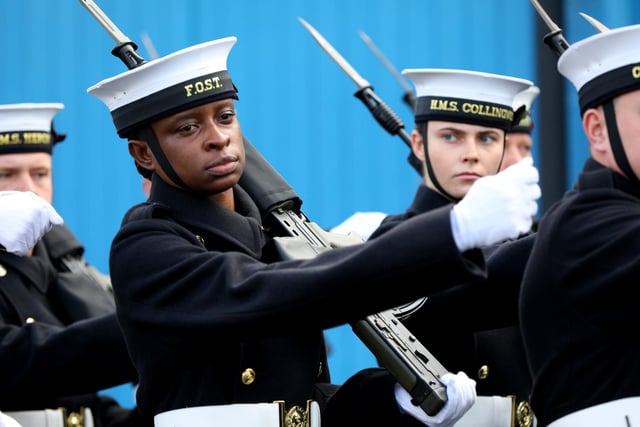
(595, 128)
(141, 153)
(416, 145)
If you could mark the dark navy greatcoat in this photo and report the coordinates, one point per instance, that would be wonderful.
(579, 305)
(210, 319)
(51, 354)
(473, 327)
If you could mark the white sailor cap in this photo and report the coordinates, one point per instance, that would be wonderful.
(603, 66)
(465, 96)
(28, 127)
(526, 99)
(184, 79)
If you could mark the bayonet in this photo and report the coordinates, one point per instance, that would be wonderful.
(381, 111)
(555, 40)
(125, 48)
(409, 97)
(335, 55)
(596, 24)
(545, 16)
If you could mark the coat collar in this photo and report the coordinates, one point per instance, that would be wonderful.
(595, 175)
(425, 200)
(242, 227)
(35, 269)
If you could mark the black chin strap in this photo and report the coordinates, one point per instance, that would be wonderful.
(432, 175)
(616, 142)
(151, 139)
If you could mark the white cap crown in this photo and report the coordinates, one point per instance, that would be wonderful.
(184, 79)
(604, 65)
(526, 99)
(28, 116)
(27, 127)
(466, 96)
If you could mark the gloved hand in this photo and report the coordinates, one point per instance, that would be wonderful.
(461, 395)
(497, 207)
(24, 219)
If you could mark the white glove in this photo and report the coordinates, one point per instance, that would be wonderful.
(497, 207)
(461, 395)
(24, 219)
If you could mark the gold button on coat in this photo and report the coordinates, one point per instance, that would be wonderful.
(524, 414)
(483, 372)
(248, 376)
(3, 271)
(30, 320)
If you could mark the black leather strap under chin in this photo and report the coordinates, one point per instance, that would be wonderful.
(432, 175)
(616, 142)
(151, 139)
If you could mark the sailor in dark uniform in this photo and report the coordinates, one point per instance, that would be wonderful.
(217, 325)
(579, 304)
(459, 140)
(60, 343)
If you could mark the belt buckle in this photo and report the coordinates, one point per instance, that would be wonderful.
(73, 419)
(524, 414)
(521, 413)
(296, 416)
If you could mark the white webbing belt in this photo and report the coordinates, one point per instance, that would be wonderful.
(237, 415)
(490, 411)
(622, 412)
(47, 418)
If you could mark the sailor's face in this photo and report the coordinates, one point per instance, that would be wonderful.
(517, 147)
(27, 172)
(461, 153)
(204, 146)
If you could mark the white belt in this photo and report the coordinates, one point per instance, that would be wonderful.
(52, 418)
(241, 415)
(622, 412)
(497, 411)
(7, 421)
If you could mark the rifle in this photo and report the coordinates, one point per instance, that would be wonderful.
(395, 347)
(554, 39)
(297, 237)
(383, 114)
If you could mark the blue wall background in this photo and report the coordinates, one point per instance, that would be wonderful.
(296, 105)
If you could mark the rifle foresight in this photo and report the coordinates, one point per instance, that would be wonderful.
(409, 98)
(389, 120)
(556, 41)
(127, 52)
(125, 49)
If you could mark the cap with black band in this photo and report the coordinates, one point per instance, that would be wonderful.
(28, 127)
